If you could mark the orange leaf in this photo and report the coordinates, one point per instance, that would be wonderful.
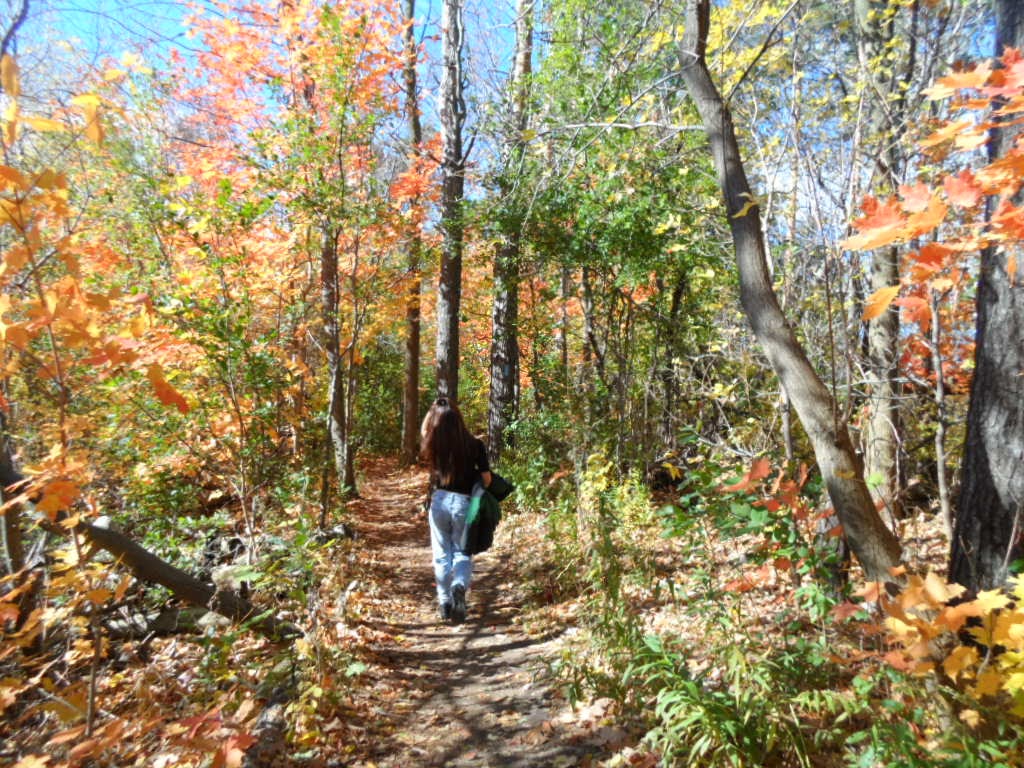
(845, 610)
(882, 224)
(167, 394)
(898, 660)
(58, 495)
(879, 301)
(1003, 175)
(928, 219)
(9, 76)
(916, 197)
(962, 190)
(946, 133)
(970, 80)
(960, 659)
(931, 257)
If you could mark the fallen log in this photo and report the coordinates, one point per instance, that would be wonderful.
(150, 568)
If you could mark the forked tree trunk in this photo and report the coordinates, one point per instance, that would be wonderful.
(411, 388)
(503, 406)
(987, 535)
(874, 545)
(453, 164)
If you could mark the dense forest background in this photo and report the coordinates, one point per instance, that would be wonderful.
(733, 289)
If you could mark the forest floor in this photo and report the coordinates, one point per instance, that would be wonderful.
(475, 694)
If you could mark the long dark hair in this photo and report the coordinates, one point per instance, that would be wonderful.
(445, 441)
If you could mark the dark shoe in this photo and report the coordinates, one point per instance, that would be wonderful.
(444, 611)
(458, 604)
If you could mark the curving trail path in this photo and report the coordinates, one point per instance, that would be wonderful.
(457, 696)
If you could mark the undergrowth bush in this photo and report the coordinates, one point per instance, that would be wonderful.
(808, 688)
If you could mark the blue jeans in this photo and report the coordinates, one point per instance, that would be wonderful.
(448, 541)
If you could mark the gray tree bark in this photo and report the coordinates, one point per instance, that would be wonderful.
(337, 400)
(987, 532)
(503, 406)
(874, 545)
(453, 165)
(411, 388)
(876, 23)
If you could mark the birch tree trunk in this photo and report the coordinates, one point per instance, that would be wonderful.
(874, 545)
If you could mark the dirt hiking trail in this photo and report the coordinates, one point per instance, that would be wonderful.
(476, 694)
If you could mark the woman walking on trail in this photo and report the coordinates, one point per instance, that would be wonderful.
(457, 461)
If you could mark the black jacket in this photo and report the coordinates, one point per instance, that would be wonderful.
(480, 535)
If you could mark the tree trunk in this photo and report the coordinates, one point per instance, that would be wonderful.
(336, 423)
(504, 394)
(151, 569)
(13, 536)
(667, 367)
(876, 25)
(875, 545)
(453, 164)
(987, 532)
(411, 388)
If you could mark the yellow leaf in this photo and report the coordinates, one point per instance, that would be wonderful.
(940, 591)
(87, 101)
(44, 124)
(139, 324)
(32, 761)
(93, 127)
(9, 76)
(1014, 682)
(879, 301)
(900, 628)
(658, 41)
(50, 179)
(11, 123)
(992, 600)
(971, 718)
(988, 683)
(751, 202)
(113, 74)
(960, 659)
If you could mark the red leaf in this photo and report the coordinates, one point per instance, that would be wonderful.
(931, 258)
(759, 470)
(915, 310)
